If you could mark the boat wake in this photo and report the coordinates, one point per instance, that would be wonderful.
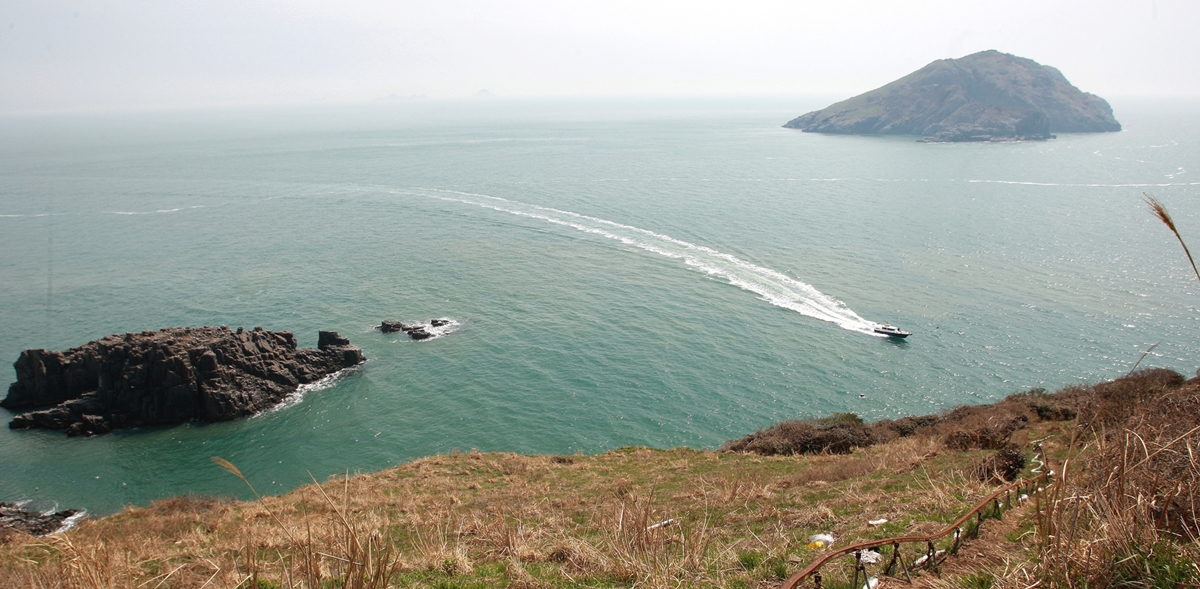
(770, 285)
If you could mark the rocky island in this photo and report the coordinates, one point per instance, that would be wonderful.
(985, 96)
(168, 376)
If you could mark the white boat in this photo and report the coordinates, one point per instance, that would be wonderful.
(891, 330)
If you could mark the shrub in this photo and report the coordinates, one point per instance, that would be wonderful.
(1005, 465)
(838, 434)
(989, 437)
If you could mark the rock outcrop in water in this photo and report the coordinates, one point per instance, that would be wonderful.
(167, 377)
(13, 518)
(417, 331)
(986, 96)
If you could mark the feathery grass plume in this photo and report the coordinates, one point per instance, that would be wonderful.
(1144, 354)
(1160, 211)
(227, 465)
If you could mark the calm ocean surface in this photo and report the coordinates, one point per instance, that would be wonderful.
(657, 272)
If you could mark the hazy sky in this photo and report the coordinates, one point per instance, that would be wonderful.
(83, 55)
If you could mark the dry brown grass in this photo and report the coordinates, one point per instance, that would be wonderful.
(632, 517)
(1126, 513)
(659, 518)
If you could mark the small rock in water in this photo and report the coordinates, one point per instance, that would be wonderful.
(12, 517)
(417, 331)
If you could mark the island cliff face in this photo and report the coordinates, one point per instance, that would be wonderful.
(168, 376)
(985, 96)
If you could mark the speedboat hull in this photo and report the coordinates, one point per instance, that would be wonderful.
(891, 331)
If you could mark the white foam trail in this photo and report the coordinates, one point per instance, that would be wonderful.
(154, 212)
(1144, 185)
(772, 286)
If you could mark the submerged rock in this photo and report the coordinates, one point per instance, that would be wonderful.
(169, 376)
(986, 96)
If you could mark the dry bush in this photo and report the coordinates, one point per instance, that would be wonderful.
(1115, 402)
(1003, 466)
(838, 434)
(988, 427)
(1126, 511)
(995, 435)
(887, 429)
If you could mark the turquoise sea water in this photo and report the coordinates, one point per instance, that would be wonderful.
(659, 272)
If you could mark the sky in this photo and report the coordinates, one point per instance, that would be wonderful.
(87, 55)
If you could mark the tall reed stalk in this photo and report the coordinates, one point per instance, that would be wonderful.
(1160, 211)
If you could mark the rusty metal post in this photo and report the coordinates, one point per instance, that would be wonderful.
(891, 565)
(817, 579)
(903, 565)
(858, 566)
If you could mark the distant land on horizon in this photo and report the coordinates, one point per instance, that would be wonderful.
(985, 96)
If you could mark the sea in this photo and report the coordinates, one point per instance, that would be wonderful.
(663, 272)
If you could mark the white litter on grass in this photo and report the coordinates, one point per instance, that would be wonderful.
(871, 583)
(877, 522)
(921, 561)
(820, 540)
(871, 557)
(661, 524)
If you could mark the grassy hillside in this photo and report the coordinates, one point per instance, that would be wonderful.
(670, 518)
